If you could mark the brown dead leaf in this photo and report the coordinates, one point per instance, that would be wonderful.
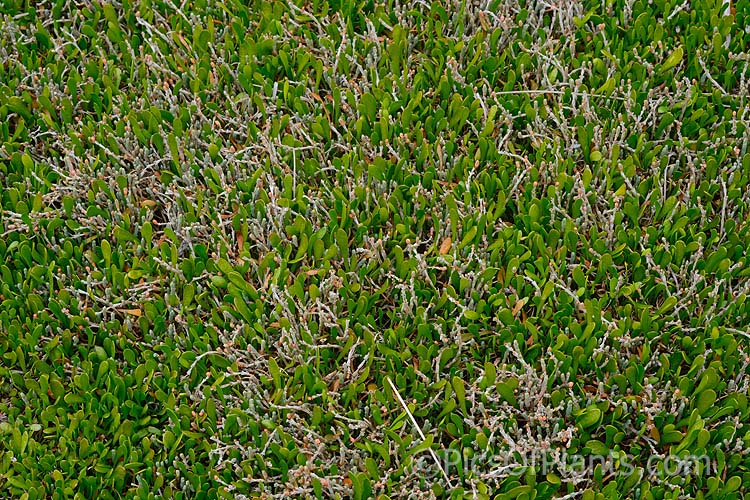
(655, 433)
(445, 246)
(518, 306)
(336, 384)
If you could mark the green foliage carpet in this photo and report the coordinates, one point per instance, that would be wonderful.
(394, 249)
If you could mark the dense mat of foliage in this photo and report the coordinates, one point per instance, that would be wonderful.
(226, 230)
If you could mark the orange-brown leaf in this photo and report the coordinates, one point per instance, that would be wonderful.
(132, 312)
(445, 246)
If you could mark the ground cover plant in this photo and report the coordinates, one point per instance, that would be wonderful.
(332, 249)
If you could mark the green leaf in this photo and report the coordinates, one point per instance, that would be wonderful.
(448, 407)
(273, 368)
(589, 417)
(188, 292)
(147, 232)
(106, 252)
(423, 446)
(460, 390)
(674, 58)
(342, 241)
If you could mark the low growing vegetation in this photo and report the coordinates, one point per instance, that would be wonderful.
(394, 249)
